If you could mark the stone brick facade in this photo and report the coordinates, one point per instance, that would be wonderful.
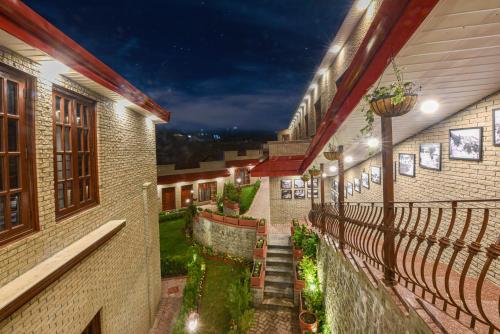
(113, 279)
(354, 305)
(235, 241)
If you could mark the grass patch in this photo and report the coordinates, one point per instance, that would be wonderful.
(247, 195)
(174, 249)
(214, 316)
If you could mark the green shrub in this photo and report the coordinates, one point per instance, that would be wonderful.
(238, 305)
(310, 244)
(299, 234)
(247, 196)
(248, 218)
(171, 215)
(231, 192)
(260, 243)
(256, 269)
(173, 266)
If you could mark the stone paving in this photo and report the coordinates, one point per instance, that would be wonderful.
(275, 322)
(170, 305)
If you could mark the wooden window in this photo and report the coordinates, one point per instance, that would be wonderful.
(186, 195)
(75, 159)
(207, 191)
(18, 207)
(242, 175)
(94, 327)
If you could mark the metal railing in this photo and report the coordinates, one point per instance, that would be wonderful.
(438, 250)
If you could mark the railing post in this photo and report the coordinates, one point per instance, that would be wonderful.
(389, 256)
(322, 198)
(341, 198)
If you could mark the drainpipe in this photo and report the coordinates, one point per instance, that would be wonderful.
(145, 200)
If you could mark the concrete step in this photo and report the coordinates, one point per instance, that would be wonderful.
(279, 281)
(271, 245)
(272, 303)
(278, 292)
(280, 251)
(280, 277)
(278, 260)
(280, 269)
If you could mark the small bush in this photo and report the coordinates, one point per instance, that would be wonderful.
(238, 305)
(171, 215)
(247, 195)
(173, 266)
(231, 192)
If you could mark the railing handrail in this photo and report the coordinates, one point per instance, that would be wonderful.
(470, 200)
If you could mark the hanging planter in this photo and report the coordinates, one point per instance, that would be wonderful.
(385, 107)
(314, 171)
(305, 177)
(332, 154)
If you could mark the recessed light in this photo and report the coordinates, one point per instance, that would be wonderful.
(373, 142)
(323, 175)
(335, 48)
(313, 86)
(348, 159)
(429, 106)
(333, 169)
(322, 71)
(362, 4)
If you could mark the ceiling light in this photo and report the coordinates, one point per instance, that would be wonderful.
(348, 159)
(322, 71)
(429, 106)
(313, 86)
(333, 169)
(335, 49)
(323, 175)
(373, 142)
(362, 4)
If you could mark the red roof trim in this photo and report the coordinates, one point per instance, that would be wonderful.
(278, 166)
(22, 22)
(189, 177)
(393, 25)
(241, 163)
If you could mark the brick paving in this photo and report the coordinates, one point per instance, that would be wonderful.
(275, 322)
(170, 305)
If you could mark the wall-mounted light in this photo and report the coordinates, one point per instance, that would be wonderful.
(52, 69)
(335, 48)
(348, 159)
(333, 169)
(323, 175)
(322, 71)
(373, 142)
(362, 4)
(429, 106)
(313, 86)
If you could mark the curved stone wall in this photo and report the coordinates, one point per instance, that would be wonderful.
(223, 238)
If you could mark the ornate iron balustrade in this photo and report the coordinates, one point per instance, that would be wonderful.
(439, 252)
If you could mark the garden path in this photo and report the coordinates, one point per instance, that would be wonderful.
(260, 205)
(170, 305)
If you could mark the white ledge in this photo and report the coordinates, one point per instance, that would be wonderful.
(22, 289)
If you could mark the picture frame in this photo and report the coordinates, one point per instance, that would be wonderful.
(334, 196)
(345, 192)
(407, 164)
(315, 182)
(365, 180)
(316, 193)
(376, 174)
(357, 184)
(299, 193)
(496, 127)
(349, 188)
(286, 194)
(299, 184)
(286, 184)
(466, 144)
(335, 185)
(430, 156)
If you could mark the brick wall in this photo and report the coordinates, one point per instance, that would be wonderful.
(113, 279)
(283, 148)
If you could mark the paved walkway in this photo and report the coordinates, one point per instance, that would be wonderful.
(170, 305)
(275, 322)
(260, 205)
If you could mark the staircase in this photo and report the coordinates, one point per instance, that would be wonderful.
(278, 287)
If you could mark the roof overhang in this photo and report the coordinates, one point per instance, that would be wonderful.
(190, 177)
(278, 166)
(242, 163)
(22, 23)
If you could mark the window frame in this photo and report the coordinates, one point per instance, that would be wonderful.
(77, 206)
(26, 152)
(202, 187)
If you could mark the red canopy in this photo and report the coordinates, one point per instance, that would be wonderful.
(278, 166)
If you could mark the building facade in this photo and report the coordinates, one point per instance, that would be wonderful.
(79, 248)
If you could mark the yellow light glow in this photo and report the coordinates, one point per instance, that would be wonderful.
(333, 169)
(429, 106)
(52, 69)
(373, 142)
(335, 48)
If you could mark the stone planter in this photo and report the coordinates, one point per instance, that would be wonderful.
(297, 253)
(230, 208)
(308, 322)
(298, 284)
(248, 222)
(262, 229)
(218, 218)
(231, 220)
(260, 253)
(258, 281)
(206, 214)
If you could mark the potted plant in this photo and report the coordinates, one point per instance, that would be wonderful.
(394, 100)
(231, 220)
(260, 249)
(258, 275)
(314, 171)
(299, 282)
(308, 321)
(207, 213)
(295, 224)
(248, 221)
(297, 240)
(218, 217)
(262, 227)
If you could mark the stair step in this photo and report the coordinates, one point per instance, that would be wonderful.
(280, 251)
(279, 282)
(277, 270)
(277, 303)
(286, 277)
(278, 246)
(278, 259)
(278, 292)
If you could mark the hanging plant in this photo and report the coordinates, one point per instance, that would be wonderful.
(332, 154)
(394, 100)
(305, 177)
(314, 171)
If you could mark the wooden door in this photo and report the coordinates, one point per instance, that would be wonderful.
(186, 195)
(168, 199)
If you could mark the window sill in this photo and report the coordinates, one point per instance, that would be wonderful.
(22, 289)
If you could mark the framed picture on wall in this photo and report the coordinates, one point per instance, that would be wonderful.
(349, 188)
(286, 194)
(365, 180)
(315, 182)
(357, 185)
(299, 193)
(407, 164)
(286, 184)
(430, 156)
(345, 192)
(466, 144)
(335, 185)
(316, 193)
(298, 183)
(376, 174)
(496, 127)
(334, 196)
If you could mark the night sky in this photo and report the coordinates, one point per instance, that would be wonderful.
(214, 63)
